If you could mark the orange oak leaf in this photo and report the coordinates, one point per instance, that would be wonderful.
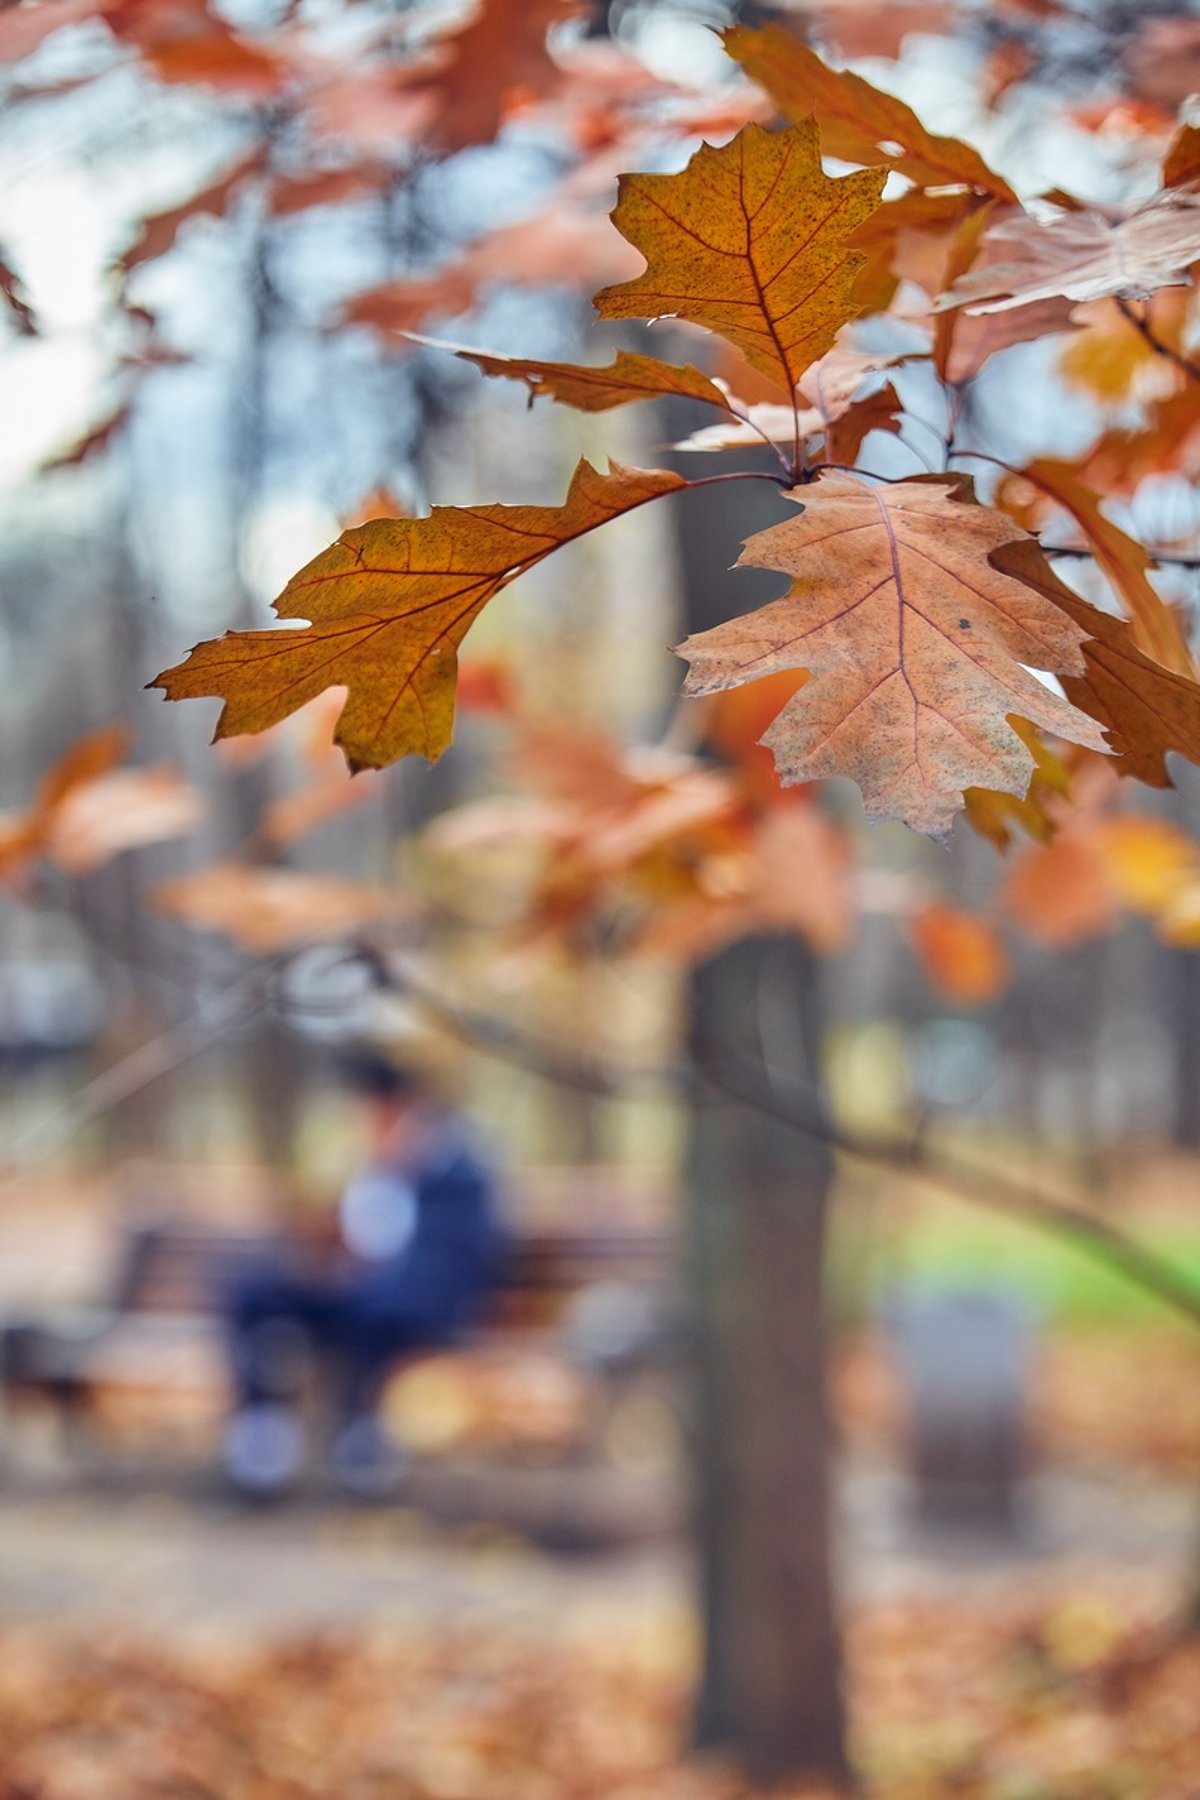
(878, 27)
(1057, 892)
(962, 954)
(563, 242)
(1181, 164)
(1154, 627)
(88, 810)
(23, 28)
(626, 379)
(267, 910)
(158, 231)
(492, 64)
(294, 193)
(24, 836)
(1084, 256)
(919, 648)
(828, 391)
(120, 810)
(389, 604)
(909, 239)
(1145, 709)
(750, 241)
(859, 123)
(963, 341)
(995, 815)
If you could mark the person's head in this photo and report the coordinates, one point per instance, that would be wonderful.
(394, 1097)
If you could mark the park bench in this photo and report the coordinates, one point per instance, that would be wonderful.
(595, 1296)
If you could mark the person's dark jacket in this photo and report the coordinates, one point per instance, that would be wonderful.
(457, 1245)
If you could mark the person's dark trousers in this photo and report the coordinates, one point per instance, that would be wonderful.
(278, 1320)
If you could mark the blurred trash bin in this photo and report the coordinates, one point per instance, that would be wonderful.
(964, 1356)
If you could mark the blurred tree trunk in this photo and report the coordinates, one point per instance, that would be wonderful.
(758, 1195)
(754, 1247)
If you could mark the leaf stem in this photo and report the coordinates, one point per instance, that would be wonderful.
(784, 481)
(1143, 327)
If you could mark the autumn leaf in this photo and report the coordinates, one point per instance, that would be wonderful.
(859, 123)
(1057, 892)
(1109, 360)
(157, 232)
(269, 910)
(1147, 861)
(563, 242)
(829, 409)
(120, 810)
(1155, 629)
(88, 810)
(749, 241)
(494, 62)
(1145, 709)
(994, 815)
(307, 188)
(962, 954)
(628, 378)
(1084, 255)
(389, 604)
(963, 341)
(1181, 165)
(917, 645)
(12, 298)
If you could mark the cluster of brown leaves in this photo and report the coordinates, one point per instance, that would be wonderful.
(914, 614)
(975, 1703)
(673, 856)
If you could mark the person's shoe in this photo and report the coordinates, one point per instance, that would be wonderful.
(366, 1461)
(263, 1450)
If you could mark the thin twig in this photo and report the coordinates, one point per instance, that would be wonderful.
(804, 1113)
(1158, 556)
(1144, 328)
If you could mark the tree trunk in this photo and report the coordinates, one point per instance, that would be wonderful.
(770, 1691)
(770, 1688)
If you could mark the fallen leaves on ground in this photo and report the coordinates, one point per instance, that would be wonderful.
(950, 1701)
(917, 642)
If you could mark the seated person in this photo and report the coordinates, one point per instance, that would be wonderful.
(419, 1244)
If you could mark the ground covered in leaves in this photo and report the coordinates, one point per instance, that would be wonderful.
(1084, 1699)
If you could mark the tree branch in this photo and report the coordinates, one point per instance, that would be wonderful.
(1104, 1242)
(1143, 326)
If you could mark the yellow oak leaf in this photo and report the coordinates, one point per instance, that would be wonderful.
(750, 241)
(626, 379)
(920, 649)
(389, 604)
